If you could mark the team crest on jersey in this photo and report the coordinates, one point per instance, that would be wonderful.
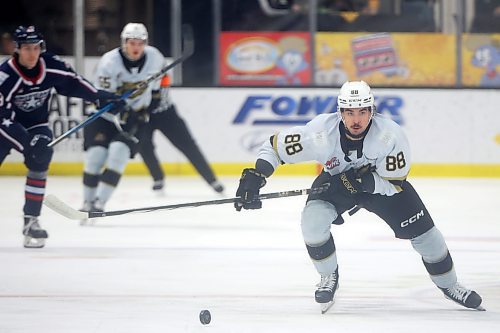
(32, 101)
(332, 163)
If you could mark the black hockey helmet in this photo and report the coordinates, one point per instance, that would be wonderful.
(28, 35)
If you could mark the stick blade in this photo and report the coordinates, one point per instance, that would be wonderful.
(62, 208)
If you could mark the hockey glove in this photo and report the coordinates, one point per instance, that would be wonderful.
(129, 123)
(38, 150)
(364, 176)
(353, 181)
(104, 97)
(251, 182)
(345, 183)
(155, 102)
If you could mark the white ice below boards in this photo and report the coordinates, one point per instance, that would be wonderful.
(155, 272)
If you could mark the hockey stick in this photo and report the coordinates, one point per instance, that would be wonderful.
(62, 208)
(186, 53)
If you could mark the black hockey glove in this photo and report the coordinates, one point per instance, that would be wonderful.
(353, 181)
(104, 97)
(131, 122)
(251, 182)
(364, 176)
(155, 102)
(345, 183)
(38, 150)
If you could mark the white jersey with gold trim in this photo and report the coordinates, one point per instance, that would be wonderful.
(385, 146)
(112, 75)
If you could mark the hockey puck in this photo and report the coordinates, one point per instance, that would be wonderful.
(205, 317)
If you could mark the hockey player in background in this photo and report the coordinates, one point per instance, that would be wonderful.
(366, 159)
(110, 143)
(26, 80)
(166, 120)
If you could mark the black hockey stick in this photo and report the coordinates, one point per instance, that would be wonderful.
(62, 208)
(186, 53)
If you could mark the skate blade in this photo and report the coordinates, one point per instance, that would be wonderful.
(479, 308)
(33, 243)
(326, 306)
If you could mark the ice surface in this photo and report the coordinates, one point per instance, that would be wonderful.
(154, 272)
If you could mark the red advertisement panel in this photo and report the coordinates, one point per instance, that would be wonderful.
(265, 58)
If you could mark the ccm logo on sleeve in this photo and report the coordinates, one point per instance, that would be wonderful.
(412, 219)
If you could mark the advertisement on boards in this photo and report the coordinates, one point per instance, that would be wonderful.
(265, 58)
(386, 59)
(481, 60)
(230, 124)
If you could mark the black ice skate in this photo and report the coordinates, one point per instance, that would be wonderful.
(158, 185)
(34, 235)
(325, 294)
(463, 296)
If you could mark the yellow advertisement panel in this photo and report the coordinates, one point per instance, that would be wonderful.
(386, 59)
(481, 60)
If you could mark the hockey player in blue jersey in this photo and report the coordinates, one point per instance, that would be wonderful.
(26, 81)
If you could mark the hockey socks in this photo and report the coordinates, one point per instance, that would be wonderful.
(34, 191)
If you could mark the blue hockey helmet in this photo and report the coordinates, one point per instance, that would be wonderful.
(28, 35)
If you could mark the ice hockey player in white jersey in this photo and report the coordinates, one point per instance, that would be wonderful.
(366, 159)
(109, 145)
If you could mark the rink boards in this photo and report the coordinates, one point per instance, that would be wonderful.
(451, 132)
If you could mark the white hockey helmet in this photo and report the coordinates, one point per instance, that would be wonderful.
(134, 31)
(355, 94)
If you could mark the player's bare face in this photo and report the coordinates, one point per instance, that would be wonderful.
(29, 54)
(356, 120)
(134, 48)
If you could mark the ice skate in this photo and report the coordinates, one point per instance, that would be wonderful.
(217, 186)
(463, 296)
(90, 206)
(87, 206)
(34, 235)
(325, 294)
(159, 187)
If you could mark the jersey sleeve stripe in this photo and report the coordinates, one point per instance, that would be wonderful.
(60, 72)
(396, 182)
(275, 143)
(64, 73)
(11, 139)
(395, 178)
(37, 125)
